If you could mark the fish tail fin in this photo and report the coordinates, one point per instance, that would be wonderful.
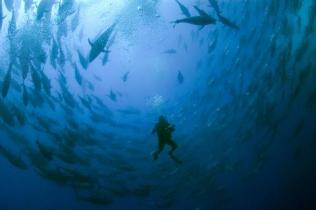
(201, 28)
(174, 23)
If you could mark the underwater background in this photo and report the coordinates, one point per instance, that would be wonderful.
(83, 83)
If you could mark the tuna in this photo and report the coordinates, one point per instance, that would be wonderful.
(196, 20)
(1, 15)
(6, 82)
(100, 43)
(9, 4)
(75, 20)
(180, 77)
(227, 22)
(28, 5)
(83, 61)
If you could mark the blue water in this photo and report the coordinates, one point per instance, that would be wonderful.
(244, 112)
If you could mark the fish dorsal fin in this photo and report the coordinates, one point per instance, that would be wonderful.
(90, 42)
(200, 11)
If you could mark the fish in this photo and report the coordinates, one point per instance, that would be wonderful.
(6, 114)
(54, 53)
(105, 58)
(200, 11)
(7, 81)
(36, 79)
(112, 96)
(107, 51)
(65, 9)
(170, 51)
(215, 6)
(45, 82)
(40, 53)
(28, 5)
(83, 61)
(9, 4)
(68, 98)
(100, 43)
(61, 58)
(78, 76)
(1, 15)
(212, 45)
(19, 114)
(44, 150)
(129, 111)
(62, 30)
(24, 59)
(97, 199)
(180, 77)
(25, 96)
(196, 20)
(125, 76)
(104, 108)
(86, 102)
(45, 6)
(81, 33)
(12, 27)
(185, 11)
(75, 20)
(13, 159)
(227, 22)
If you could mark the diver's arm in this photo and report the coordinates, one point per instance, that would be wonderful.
(171, 127)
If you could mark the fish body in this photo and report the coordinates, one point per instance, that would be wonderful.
(1, 15)
(9, 4)
(125, 76)
(6, 113)
(227, 22)
(100, 43)
(197, 20)
(54, 53)
(6, 82)
(78, 76)
(66, 8)
(36, 79)
(46, 83)
(28, 5)
(200, 11)
(44, 150)
(75, 20)
(45, 6)
(19, 114)
(83, 61)
(25, 96)
(170, 51)
(180, 77)
(112, 96)
(12, 26)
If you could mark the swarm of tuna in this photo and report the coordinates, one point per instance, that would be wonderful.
(233, 89)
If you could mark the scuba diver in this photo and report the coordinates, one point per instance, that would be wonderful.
(164, 130)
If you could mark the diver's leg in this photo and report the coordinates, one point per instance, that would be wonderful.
(174, 146)
(159, 150)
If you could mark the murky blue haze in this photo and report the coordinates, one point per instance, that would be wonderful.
(83, 83)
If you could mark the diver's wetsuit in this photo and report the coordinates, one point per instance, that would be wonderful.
(164, 130)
